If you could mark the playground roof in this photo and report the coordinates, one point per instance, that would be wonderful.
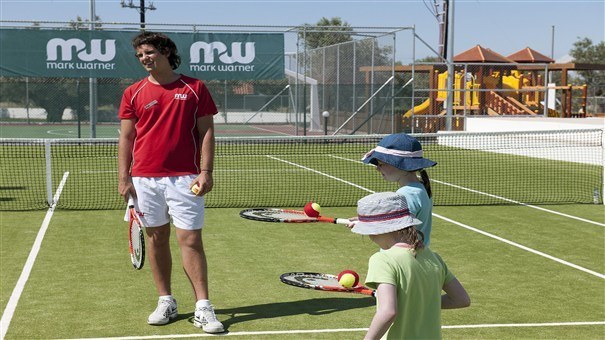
(528, 55)
(479, 54)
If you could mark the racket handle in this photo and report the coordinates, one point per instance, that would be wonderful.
(130, 201)
(333, 220)
(365, 291)
(342, 221)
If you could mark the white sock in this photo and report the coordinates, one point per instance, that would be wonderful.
(202, 303)
(166, 297)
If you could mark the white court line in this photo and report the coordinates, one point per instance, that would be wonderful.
(512, 325)
(520, 203)
(272, 131)
(341, 330)
(498, 197)
(323, 174)
(347, 159)
(602, 276)
(9, 311)
(67, 133)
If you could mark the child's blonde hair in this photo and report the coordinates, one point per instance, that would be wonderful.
(412, 237)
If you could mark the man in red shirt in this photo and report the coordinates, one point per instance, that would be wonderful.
(166, 128)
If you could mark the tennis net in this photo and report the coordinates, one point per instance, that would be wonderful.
(538, 167)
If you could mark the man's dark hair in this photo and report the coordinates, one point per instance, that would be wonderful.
(162, 43)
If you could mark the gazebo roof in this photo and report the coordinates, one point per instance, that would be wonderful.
(528, 55)
(479, 54)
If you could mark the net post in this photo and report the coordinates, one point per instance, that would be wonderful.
(49, 184)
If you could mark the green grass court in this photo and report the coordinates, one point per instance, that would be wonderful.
(532, 271)
(82, 284)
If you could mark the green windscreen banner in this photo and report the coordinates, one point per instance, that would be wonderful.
(109, 54)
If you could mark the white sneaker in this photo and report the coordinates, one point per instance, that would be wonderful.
(206, 320)
(165, 311)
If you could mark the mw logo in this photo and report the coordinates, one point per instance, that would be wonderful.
(53, 46)
(209, 49)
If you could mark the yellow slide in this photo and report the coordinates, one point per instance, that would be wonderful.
(419, 109)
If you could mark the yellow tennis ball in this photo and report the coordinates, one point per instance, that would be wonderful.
(347, 280)
(316, 207)
(195, 188)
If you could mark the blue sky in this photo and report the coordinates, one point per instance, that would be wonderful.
(503, 26)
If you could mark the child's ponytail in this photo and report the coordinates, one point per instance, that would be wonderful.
(426, 181)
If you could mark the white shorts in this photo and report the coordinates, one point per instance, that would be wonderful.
(161, 199)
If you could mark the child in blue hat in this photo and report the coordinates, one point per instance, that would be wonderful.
(399, 158)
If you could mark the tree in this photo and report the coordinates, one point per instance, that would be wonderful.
(80, 23)
(335, 52)
(335, 55)
(320, 34)
(52, 94)
(430, 59)
(584, 51)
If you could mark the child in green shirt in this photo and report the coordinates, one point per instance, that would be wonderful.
(408, 277)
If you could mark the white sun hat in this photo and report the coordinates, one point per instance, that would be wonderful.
(382, 213)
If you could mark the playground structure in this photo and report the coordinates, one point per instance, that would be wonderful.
(487, 83)
(501, 92)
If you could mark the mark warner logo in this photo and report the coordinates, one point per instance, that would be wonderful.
(87, 57)
(227, 58)
(180, 96)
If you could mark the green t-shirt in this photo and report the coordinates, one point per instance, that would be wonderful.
(419, 281)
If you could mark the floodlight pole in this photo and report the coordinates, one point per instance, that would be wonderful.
(552, 42)
(92, 83)
(450, 65)
(552, 50)
(442, 19)
(141, 8)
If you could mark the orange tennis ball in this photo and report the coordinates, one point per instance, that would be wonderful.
(312, 209)
(348, 278)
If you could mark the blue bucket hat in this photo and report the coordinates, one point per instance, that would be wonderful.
(401, 151)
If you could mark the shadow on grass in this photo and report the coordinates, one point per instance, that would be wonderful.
(279, 309)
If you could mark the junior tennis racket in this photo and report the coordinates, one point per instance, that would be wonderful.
(286, 216)
(136, 239)
(325, 282)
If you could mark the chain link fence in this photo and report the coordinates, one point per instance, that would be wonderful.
(320, 79)
(338, 80)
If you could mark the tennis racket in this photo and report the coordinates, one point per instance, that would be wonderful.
(136, 239)
(286, 216)
(325, 282)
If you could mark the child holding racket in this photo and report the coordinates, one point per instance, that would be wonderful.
(407, 276)
(166, 128)
(399, 158)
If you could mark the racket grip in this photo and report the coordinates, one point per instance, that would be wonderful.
(368, 291)
(342, 221)
(364, 290)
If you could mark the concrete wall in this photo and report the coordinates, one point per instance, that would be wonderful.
(495, 124)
